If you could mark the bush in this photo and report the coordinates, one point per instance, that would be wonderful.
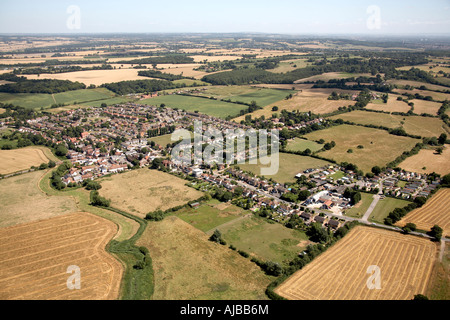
(157, 215)
(93, 185)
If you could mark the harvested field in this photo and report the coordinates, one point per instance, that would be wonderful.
(405, 263)
(96, 77)
(423, 106)
(428, 161)
(21, 159)
(435, 211)
(417, 84)
(187, 266)
(380, 147)
(332, 75)
(435, 95)
(141, 191)
(36, 256)
(392, 105)
(416, 125)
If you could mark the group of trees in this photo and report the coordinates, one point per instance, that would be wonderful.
(23, 85)
(167, 59)
(160, 75)
(141, 86)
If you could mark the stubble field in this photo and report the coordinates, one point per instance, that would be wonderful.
(20, 159)
(405, 263)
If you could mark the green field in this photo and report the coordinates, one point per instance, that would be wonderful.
(384, 207)
(163, 140)
(361, 207)
(39, 100)
(379, 147)
(289, 166)
(210, 215)
(210, 107)
(302, 144)
(266, 241)
(416, 125)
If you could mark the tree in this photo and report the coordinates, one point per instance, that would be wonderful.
(409, 227)
(61, 150)
(442, 138)
(93, 185)
(420, 297)
(157, 215)
(274, 108)
(51, 164)
(217, 237)
(376, 170)
(436, 232)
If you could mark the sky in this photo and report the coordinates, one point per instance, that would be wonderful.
(377, 17)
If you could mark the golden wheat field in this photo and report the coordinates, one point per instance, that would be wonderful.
(341, 273)
(428, 161)
(20, 159)
(36, 257)
(435, 211)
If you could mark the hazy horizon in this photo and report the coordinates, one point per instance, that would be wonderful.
(352, 18)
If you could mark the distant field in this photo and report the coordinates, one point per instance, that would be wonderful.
(361, 207)
(435, 95)
(417, 84)
(314, 100)
(142, 191)
(289, 166)
(423, 106)
(36, 256)
(38, 100)
(428, 161)
(291, 65)
(210, 107)
(384, 207)
(380, 147)
(261, 96)
(2, 110)
(266, 241)
(302, 144)
(96, 77)
(187, 266)
(422, 126)
(210, 215)
(22, 201)
(435, 211)
(392, 105)
(332, 75)
(405, 263)
(21, 159)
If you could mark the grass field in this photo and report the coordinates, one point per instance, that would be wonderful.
(428, 161)
(42, 100)
(405, 263)
(314, 100)
(22, 200)
(384, 207)
(439, 287)
(21, 159)
(210, 215)
(266, 241)
(290, 65)
(361, 207)
(141, 191)
(289, 166)
(380, 147)
(435, 211)
(163, 140)
(417, 84)
(214, 108)
(302, 144)
(392, 105)
(331, 75)
(262, 96)
(189, 267)
(438, 96)
(423, 106)
(422, 126)
(36, 256)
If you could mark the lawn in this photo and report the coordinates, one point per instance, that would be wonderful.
(163, 140)
(267, 241)
(361, 207)
(289, 166)
(210, 107)
(422, 126)
(210, 215)
(384, 207)
(298, 144)
(379, 147)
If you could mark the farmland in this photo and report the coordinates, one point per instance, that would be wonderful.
(379, 147)
(428, 161)
(141, 191)
(22, 201)
(36, 256)
(340, 273)
(266, 241)
(189, 267)
(289, 166)
(435, 211)
(21, 159)
(210, 215)
(214, 108)
(384, 207)
(415, 125)
(392, 105)
(302, 145)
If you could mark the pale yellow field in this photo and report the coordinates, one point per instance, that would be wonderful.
(331, 75)
(142, 191)
(23, 201)
(200, 58)
(2, 110)
(36, 257)
(20, 159)
(405, 263)
(423, 106)
(435, 95)
(417, 84)
(96, 77)
(392, 105)
(435, 211)
(430, 160)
